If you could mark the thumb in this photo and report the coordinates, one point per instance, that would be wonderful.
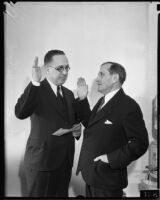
(96, 159)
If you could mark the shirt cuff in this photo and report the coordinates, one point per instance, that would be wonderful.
(35, 83)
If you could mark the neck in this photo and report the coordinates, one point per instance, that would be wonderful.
(112, 89)
(48, 78)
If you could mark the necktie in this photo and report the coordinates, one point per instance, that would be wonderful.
(101, 104)
(60, 98)
(59, 95)
(62, 105)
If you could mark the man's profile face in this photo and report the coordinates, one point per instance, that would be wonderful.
(55, 76)
(105, 80)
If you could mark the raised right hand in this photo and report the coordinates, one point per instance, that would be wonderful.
(36, 71)
(82, 88)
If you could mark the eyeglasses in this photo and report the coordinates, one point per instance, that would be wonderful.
(61, 68)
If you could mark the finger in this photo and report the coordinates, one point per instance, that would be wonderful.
(77, 132)
(77, 126)
(35, 64)
(97, 158)
(81, 81)
(55, 134)
(76, 129)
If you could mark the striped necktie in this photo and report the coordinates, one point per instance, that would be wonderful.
(101, 103)
(60, 98)
(59, 92)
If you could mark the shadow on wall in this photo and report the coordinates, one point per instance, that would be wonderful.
(94, 95)
(131, 167)
(22, 177)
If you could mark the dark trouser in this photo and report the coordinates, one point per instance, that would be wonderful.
(96, 192)
(49, 183)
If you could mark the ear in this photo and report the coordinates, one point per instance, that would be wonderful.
(47, 67)
(115, 78)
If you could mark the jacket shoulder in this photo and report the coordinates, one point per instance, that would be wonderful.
(130, 103)
(67, 90)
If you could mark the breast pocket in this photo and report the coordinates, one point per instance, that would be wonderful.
(110, 128)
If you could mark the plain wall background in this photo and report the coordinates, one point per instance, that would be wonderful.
(89, 34)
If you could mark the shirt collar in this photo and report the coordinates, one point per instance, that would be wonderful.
(110, 95)
(54, 87)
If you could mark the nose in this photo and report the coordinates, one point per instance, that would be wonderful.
(97, 79)
(65, 72)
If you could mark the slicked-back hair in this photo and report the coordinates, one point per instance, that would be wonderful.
(50, 54)
(116, 68)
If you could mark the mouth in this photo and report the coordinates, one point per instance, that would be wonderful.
(63, 77)
(99, 84)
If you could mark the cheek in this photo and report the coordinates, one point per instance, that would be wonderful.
(105, 83)
(54, 76)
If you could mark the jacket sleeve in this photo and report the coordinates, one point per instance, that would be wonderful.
(83, 111)
(27, 102)
(137, 137)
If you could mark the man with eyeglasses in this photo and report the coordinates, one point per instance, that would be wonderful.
(54, 125)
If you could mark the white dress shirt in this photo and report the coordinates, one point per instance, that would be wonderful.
(54, 87)
(109, 96)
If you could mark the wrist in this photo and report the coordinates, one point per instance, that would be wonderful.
(82, 98)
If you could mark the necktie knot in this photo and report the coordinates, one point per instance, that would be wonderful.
(59, 90)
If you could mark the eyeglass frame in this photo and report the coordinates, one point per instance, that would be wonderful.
(67, 68)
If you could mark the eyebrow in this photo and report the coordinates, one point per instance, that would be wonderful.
(63, 66)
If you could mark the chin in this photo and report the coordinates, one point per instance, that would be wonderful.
(99, 89)
(62, 82)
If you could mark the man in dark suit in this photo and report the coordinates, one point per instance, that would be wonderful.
(114, 135)
(54, 124)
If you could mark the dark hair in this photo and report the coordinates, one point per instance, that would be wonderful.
(50, 54)
(116, 68)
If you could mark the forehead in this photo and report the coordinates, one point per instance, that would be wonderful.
(59, 60)
(104, 67)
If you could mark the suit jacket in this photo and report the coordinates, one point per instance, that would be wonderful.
(44, 151)
(124, 140)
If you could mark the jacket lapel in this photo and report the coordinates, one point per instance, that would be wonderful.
(51, 97)
(106, 110)
(94, 111)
